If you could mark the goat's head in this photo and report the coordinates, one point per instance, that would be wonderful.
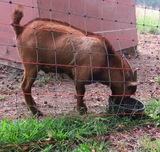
(125, 83)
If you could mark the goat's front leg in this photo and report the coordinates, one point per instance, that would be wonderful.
(29, 77)
(80, 89)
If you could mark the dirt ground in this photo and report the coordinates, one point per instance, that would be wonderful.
(58, 96)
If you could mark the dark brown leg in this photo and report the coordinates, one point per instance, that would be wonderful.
(29, 77)
(80, 89)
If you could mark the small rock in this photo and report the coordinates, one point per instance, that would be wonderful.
(45, 102)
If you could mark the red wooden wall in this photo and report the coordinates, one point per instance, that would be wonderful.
(114, 19)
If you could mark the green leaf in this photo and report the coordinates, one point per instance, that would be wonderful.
(158, 80)
(85, 147)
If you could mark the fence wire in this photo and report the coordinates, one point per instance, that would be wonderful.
(55, 93)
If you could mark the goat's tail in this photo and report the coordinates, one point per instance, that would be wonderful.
(16, 18)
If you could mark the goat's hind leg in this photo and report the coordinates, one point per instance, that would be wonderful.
(29, 77)
(81, 107)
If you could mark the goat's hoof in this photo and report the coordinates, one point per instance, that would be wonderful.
(82, 110)
(38, 114)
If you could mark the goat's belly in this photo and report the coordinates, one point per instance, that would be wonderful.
(52, 69)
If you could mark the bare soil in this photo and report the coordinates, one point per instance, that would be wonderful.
(58, 96)
(135, 139)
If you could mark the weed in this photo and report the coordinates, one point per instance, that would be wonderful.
(3, 97)
(44, 79)
(158, 80)
(154, 111)
(146, 144)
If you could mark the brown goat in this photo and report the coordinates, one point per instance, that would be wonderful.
(54, 46)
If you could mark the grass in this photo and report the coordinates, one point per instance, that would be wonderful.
(158, 80)
(63, 130)
(148, 20)
(44, 79)
(154, 110)
(147, 144)
(72, 134)
(3, 97)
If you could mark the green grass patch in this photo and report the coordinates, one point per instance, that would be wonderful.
(43, 79)
(64, 131)
(158, 80)
(148, 20)
(3, 97)
(68, 134)
(153, 108)
(147, 144)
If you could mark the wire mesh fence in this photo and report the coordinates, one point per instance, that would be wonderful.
(80, 58)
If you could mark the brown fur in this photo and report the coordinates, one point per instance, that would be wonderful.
(55, 46)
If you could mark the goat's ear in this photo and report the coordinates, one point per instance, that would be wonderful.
(130, 84)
